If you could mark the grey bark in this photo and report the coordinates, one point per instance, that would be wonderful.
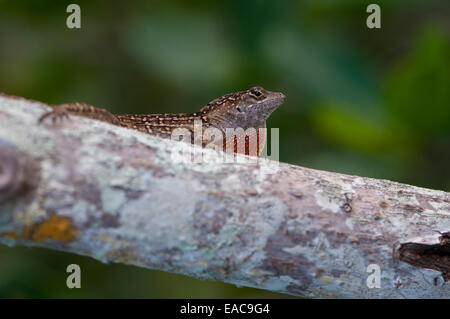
(117, 195)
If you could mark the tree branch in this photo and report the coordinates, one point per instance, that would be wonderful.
(117, 195)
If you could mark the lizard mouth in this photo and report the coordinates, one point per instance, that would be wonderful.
(281, 96)
(273, 101)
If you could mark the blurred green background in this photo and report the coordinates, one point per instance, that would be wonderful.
(368, 102)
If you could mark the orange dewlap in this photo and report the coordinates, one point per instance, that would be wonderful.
(247, 143)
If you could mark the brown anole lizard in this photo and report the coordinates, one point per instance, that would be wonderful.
(247, 110)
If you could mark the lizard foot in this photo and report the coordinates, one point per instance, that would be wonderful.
(57, 113)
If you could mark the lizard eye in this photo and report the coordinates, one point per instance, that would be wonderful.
(256, 93)
(239, 109)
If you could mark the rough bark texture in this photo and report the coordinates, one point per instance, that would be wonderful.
(120, 196)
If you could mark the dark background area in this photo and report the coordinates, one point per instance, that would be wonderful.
(368, 102)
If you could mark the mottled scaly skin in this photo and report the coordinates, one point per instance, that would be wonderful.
(246, 109)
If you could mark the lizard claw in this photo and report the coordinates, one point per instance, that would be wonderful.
(57, 113)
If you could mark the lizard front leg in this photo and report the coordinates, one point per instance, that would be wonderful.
(80, 109)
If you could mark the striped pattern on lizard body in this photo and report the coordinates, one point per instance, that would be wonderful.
(241, 115)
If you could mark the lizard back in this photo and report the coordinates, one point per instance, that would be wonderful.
(234, 123)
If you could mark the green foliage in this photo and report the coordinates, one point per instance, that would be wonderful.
(418, 89)
(350, 130)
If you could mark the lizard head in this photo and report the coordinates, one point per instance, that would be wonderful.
(243, 109)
